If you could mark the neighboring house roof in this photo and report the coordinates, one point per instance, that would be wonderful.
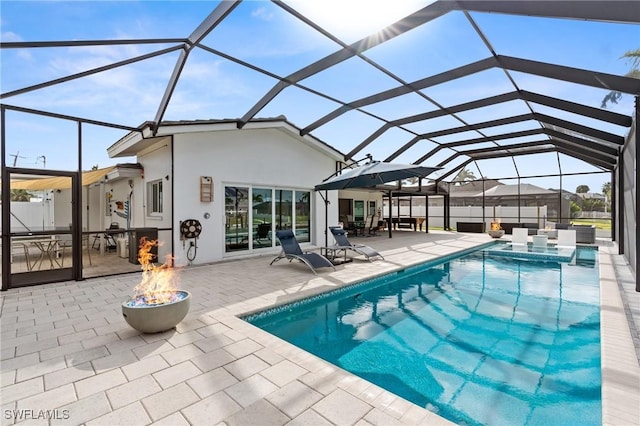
(512, 190)
(137, 141)
(473, 188)
(500, 190)
(592, 195)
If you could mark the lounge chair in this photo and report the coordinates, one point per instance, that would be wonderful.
(520, 236)
(343, 243)
(291, 250)
(567, 238)
(520, 239)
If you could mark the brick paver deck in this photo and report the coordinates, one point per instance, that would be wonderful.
(65, 347)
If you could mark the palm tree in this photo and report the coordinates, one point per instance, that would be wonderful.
(582, 189)
(20, 195)
(606, 190)
(634, 72)
(465, 175)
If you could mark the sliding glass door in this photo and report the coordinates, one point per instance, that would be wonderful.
(303, 216)
(236, 218)
(262, 219)
(254, 214)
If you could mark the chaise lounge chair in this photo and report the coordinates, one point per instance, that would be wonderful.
(291, 250)
(567, 238)
(520, 239)
(343, 243)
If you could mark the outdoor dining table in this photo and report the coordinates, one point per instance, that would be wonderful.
(47, 247)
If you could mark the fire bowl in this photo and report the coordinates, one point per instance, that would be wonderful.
(497, 233)
(148, 317)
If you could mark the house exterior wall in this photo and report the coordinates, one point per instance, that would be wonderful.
(156, 162)
(367, 197)
(271, 157)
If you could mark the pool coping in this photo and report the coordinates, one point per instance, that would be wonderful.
(620, 367)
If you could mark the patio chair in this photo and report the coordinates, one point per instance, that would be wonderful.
(109, 238)
(520, 239)
(346, 224)
(343, 243)
(291, 250)
(374, 225)
(567, 238)
(262, 233)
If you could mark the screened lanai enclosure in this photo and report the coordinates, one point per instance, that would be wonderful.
(529, 109)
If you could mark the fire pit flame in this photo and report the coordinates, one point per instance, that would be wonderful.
(159, 284)
(158, 304)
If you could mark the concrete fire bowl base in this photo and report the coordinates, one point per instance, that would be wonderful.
(157, 318)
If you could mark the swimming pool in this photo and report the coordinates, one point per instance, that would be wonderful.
(478, 339)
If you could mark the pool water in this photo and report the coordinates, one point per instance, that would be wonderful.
(478, 339)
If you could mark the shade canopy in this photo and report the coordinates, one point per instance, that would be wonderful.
(60, 182)
(375, 173)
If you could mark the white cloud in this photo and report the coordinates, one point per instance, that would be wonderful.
(9, 36)
(262, 13)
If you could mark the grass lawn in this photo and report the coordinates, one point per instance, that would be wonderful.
(599, 223)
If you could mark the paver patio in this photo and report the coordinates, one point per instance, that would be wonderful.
(66, 348)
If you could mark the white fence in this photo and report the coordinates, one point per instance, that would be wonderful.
(593, 215)
(536, 214)
(26, 216)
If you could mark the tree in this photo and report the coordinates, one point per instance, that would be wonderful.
(20, 195)
(574, 209)
(465, 175)
(592, 205)
(606, 190)
(634, 57)
(582, 189)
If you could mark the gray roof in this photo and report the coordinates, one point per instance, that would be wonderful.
(526, 189)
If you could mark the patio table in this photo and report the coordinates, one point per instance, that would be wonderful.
(47, 247)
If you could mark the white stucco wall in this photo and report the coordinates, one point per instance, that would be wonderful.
(156, 161)
(365, 196)
(260, 157)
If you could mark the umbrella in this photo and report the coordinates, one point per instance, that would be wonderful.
(375, 173)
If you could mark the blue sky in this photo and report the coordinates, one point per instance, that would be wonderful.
(263, 34)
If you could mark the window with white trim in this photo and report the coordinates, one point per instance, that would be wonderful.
(154, 197)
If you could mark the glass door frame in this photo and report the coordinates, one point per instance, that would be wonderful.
(12, 280)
